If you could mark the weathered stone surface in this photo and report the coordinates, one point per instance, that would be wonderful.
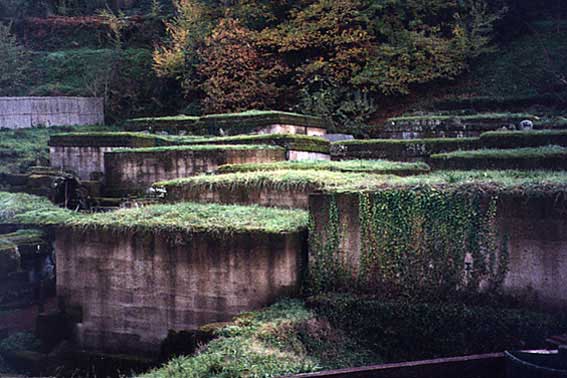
(130, 172)
(23, 112)
(534, 228)
(263, 196)
(133, 288)
(83, 161)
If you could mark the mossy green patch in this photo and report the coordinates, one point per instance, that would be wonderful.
(295, 142)
(515, 153)
(283, 339)
(367, 166)
(197, 148)
(26, 209)
(301, 180)
(21, 237)
(464, 118)
(192, 217)
(224, 124)
(23, 148)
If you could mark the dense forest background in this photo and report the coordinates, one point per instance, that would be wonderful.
(352, 61)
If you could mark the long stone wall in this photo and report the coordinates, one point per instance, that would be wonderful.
(534, 229)
(133, 288)
(23, 112)
(263, 196)
(129, 172)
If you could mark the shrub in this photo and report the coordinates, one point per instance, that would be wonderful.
(409, 331)
(12, 64)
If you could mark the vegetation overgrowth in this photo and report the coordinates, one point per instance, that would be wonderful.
(26, 209)
(301, 180)
(197, 148)
(403, 330)
(285, 338)
(367, 166)
(192, 217)
(512, 153)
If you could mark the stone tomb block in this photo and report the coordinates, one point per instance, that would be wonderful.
(135, 170)
(133, 287)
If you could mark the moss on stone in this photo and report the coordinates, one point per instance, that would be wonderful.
(192, 217)
(366, 166)
(232, 123)
(294, 142)
(26, 209)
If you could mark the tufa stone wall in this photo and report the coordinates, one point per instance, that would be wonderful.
(23, 112)
(134, 287)
(128, 172)
(83, 161)
(533, 228)
(263, 196)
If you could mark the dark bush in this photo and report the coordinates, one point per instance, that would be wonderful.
(407, 331)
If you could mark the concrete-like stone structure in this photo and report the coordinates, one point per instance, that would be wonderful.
(251, 123)
(132, 288)
(136, 170)
(83, 153)
(535, 229)
(24, 112)
(263, 196)
(447, 126)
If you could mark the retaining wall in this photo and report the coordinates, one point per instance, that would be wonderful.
(130, 172)
(23, 112)
(83, 161)
(244, 195)
(134, 287)
(534, 229)
(448, 127)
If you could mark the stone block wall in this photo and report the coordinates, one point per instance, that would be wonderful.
(534, 229)
(262, 196)
(83, 161)
(129, 172)
(132, 288)
(23, 112)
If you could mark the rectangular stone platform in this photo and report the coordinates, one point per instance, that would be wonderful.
(250, 122)
(135, 170)
(136, 274)
(531, 228)
(83, 153)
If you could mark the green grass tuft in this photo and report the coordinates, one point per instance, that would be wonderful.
(204, 147)
(26, 209)
(516, 153)
(192, 217)
(301, 180)
(283, 339)
(367, 166)
(23, 148)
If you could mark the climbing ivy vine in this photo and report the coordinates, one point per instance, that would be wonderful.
(424, 242)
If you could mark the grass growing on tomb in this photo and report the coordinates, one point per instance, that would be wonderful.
(283, 339)
(196, 148)
(192, 217)
(21, 237)
(27, 209)
(359, 182)
(279, 180)
(369, 166)
(463, 141)
(469, 117)
(517, 153)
